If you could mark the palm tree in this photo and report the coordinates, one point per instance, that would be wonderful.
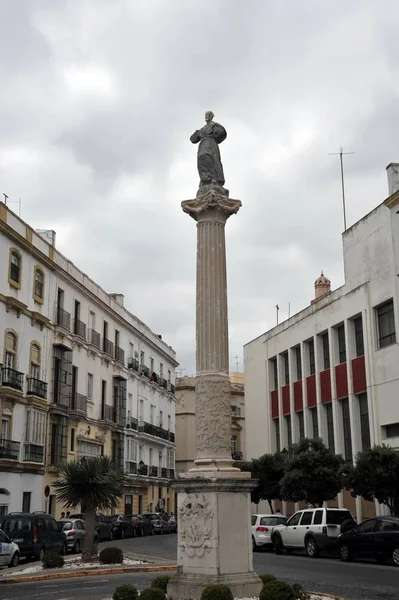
(94, 484)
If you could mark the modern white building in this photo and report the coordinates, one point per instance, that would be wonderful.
(98, 380)
(332, 370)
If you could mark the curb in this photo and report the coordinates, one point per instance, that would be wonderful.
(327, 596)
(86, 573)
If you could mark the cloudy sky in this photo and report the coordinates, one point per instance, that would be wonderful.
(99, 97)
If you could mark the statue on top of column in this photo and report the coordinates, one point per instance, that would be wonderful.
(210, 166)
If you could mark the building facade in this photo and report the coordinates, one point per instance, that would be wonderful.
(185, 420)
(81, 377)
(332, 370)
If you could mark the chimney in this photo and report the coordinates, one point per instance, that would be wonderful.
(393, 177)
(119, 298)
(322, 287)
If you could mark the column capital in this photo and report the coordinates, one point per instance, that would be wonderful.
(211, 206)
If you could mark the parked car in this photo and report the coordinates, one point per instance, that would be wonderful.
(121, 526)
(375, 538)
(103, 527)
(146, 524)
(314, 530)
(74, 532)
(157, 523)
(172, 524)
(9, 551)
(139, 526)
(262, 529)
(35, 533)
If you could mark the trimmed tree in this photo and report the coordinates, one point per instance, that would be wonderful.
(376, 476)
(93, 484)
(269, 470)
(313, 473)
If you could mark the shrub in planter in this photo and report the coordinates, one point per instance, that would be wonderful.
(152, 593)
(300, 593)
(267, 578)
(111, 556)
(161, 582)
(52, 560)
(217, 592)
(277, 590)
(125, 592)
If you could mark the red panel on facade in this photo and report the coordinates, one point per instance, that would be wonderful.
(274, 399)
(359, 375)
(286, 399)
(298, 395)
(341, 380)
(311, 390)
(325, 386)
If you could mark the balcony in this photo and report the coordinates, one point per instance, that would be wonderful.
(133, 363)
(9, 450)
(158, 432)
(63, 318)
(145, 371)
(171, 473)
(172, 388)
(61, 398)
(171, 436)
(108, 347)
(236, 455)
(143, 469)
(131, 468)
(11, 378)
(132, 423)
(94, 338)
(34, 453)
(79, 403)
(35, 387)
(153, 471)
(79, 328)
(164, 473)
(163, 383)
(119, 355)
(109, 413)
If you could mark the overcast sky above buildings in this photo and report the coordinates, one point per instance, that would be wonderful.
(98, 100)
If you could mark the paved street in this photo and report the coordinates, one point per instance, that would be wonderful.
(355, 581)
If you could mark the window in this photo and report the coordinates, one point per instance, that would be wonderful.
(358, 325)
(315, 422)
(286, 368)
(234, 443)
(367, 526)
(346, 422)
(89, 450)
(5, 425)
(72, 439)
(10, 358)
(38, 285)
(152, 365)
(388, 525)
(274, 371)
(26, 502)
(34, 368)
(141, 358)
(36, 427)
(301, 423)
(307, 517)
(169, 375)
(312, 367)
(161, 418)
(318, 517)
(150, 457)
(392, 430)
(298, 363)
(294, 519)
(15, 265)
(386, 324)
(169, 423)
(160, 369)
(103, 395)
(131, 449)
(105, 336)
(326, 351)
(341, 344)
(364, 421)
(131, 350)
(289, 429)
(277, 430)
(152, 411)
(330, 426)
(89, 386)
(271, 521)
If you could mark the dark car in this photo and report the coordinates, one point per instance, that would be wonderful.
(103, 527)
(121, 526)
(375, 538)
(154, 523)
(35, 533)
(143, 524)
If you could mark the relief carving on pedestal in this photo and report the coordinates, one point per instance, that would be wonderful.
(213, 422)
(195, 525)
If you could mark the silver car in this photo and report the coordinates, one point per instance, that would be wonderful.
(74, 533)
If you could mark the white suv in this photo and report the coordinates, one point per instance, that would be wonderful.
(262, 529)
(313, 530)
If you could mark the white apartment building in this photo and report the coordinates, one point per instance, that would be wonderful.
(332, 370)
(106, 380)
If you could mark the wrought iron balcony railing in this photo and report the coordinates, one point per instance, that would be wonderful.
(63, 318)
(94, 338)
(133, 363)
(119, 355)
(79, 402)
(9, 449)
(143, 469)
(109, 413)
(34, 453)
(153, 471)
(108, 347)
(131, 468)
(11, 378)
(35, 387)
(79, 328)
(132, 423)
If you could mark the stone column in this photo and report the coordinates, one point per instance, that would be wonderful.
(214, 510)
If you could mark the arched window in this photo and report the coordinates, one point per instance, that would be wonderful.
(38, 285)
(35, 360)
(10, 355)
(15, 267)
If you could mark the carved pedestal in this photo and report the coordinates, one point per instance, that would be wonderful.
(214, 541)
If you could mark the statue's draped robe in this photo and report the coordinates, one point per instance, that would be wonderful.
(210, 167)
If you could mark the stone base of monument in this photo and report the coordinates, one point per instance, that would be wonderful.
(214, 538)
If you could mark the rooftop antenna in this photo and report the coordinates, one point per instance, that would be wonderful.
(5, 198)
(277, 309)
(236, 359)
(340, 154)
(14, 201)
